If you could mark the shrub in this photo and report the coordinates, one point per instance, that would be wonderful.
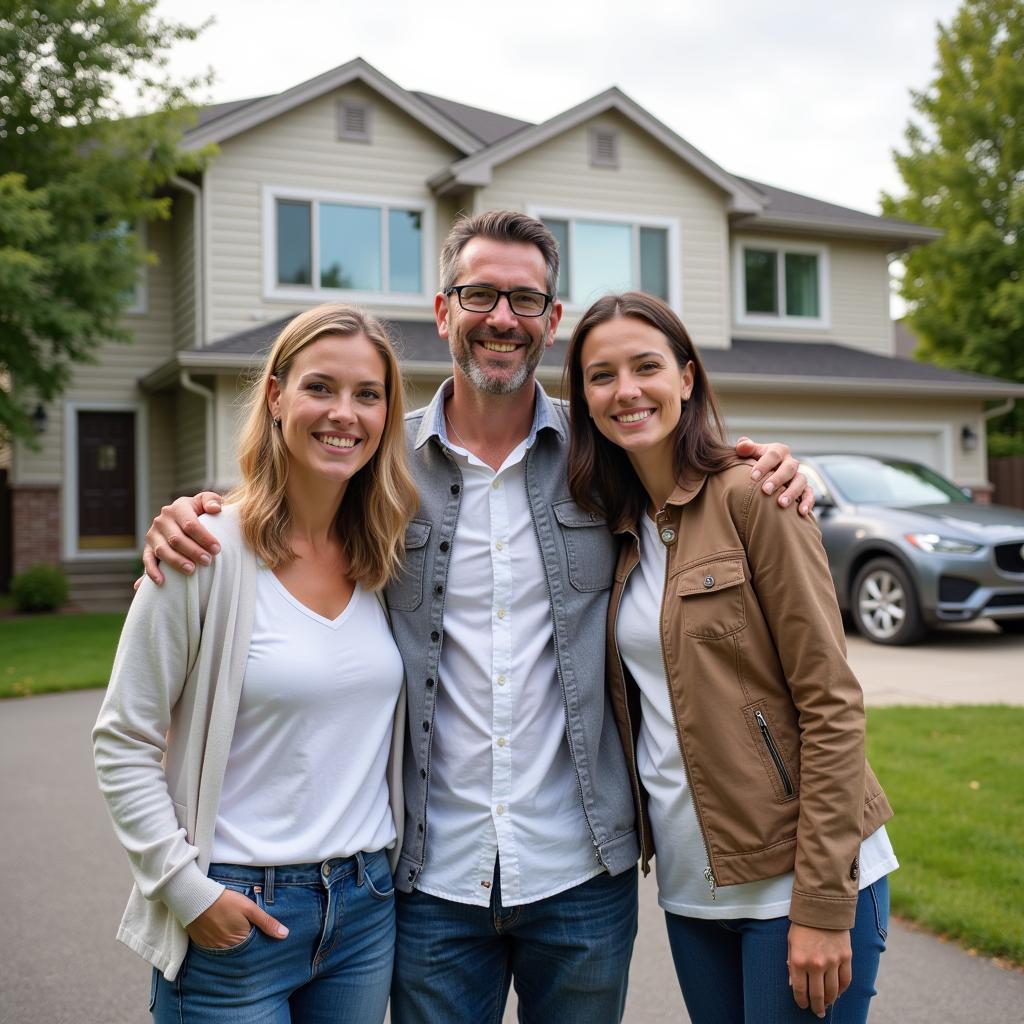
(42, 588)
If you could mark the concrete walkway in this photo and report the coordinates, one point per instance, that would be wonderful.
(65, 880)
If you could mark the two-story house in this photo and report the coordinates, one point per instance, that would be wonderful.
(343, 187)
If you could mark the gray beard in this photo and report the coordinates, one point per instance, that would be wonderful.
(489, 385)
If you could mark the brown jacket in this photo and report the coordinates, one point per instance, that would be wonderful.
(769, 715)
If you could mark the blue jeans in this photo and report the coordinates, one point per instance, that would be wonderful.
(734, 972)
(333, 968)
(568, 954)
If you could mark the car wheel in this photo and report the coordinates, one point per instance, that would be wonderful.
(884, 604)
(1015, 627)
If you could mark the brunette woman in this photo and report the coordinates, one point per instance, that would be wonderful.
(254, 718)
(742, 722)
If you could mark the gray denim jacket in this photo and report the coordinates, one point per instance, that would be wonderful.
(579, 560)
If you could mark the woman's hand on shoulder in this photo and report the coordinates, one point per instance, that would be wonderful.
(178, 539)
(819, 966)
(780, 472)
(228, 921)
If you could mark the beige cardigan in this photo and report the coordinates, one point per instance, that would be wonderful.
(163, 734)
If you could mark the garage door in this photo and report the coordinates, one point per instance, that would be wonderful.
(927, 445)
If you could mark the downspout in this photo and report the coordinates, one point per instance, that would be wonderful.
(186, 381)
(197, 256)
(999, 410)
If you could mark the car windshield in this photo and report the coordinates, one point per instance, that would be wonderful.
(873, 482)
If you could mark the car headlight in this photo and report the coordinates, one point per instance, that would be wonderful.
(934, 544)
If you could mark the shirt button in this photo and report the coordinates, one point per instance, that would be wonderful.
(498, 545)
(501, 680)
(430, 684)
(709, 581)
(444, 545)
(426, 727)
(495, 484)
(439, 589)
(501, 808)
(501, 613)
(501, 741)
(455, 488)
(668, 535)
(435, 635)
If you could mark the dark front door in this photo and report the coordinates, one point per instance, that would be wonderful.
(106, 480)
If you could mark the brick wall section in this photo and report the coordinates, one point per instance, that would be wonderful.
(35, 509)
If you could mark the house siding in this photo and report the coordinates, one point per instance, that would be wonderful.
(650, 180)
(184, 284)
(858, 305)
(301, 150)
(114, 376)
(190, 442)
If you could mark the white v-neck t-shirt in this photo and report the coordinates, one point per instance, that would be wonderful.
(306, 774)
(681, 858)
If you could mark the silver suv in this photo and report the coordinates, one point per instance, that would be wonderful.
(909, 550)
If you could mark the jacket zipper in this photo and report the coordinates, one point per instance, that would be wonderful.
(774, 751)
(558, 668)
(709, 874)
(634, 769)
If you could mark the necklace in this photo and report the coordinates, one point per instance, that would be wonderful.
(451, 427)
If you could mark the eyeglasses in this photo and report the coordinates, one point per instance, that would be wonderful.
(479, 298)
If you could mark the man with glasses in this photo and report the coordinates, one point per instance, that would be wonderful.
(519, 858)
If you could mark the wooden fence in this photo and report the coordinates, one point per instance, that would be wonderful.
(1007, 476)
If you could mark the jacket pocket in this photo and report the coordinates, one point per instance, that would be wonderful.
(589, 548)
(405, 592)
(712, 598)
(783, 779)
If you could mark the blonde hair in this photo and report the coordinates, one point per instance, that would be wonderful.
(381, 498)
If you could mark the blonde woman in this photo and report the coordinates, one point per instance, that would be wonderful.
(248, 745)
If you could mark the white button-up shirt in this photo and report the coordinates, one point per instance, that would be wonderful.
(501, 779)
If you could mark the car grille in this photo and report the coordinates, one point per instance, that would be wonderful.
(1006, 601)
(1009, 558)
(956, 589)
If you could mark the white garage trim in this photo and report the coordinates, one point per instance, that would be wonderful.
(777, 427)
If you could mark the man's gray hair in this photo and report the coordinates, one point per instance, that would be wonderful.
(500, 226)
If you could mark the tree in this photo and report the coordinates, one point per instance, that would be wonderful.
(76, 177)
(963, 169)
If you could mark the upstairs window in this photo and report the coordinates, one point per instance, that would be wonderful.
(779, 283)
(601, 256)
(326, 245)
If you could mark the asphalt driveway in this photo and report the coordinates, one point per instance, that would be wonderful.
(65, 880)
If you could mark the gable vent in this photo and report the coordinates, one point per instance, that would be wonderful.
(354, 121)
(604, 147)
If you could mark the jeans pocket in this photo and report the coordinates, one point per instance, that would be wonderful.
(153, 983)
(384, 887)
(249, 893)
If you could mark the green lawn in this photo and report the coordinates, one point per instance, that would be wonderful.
(45, 653)
(955, 778)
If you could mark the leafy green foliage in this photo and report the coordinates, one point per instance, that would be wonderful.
(76, 177)
(963, 169)
(41, 588)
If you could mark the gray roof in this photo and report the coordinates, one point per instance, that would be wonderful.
(784, 208)
(779, 364)
(485, 125)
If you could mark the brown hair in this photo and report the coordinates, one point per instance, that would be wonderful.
(499, 226)
(601, 477)
(380, 499)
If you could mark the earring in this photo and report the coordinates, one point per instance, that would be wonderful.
(277, 423)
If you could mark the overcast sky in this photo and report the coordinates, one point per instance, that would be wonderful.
(805, 94)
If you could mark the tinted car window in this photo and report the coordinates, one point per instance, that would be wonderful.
(873, 482)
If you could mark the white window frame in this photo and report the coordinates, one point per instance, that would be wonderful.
(780, 247)
(70, 487)
(636, 221)
(303, 293)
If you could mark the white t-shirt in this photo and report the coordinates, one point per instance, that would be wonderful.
(681, 856)
(306, 774)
